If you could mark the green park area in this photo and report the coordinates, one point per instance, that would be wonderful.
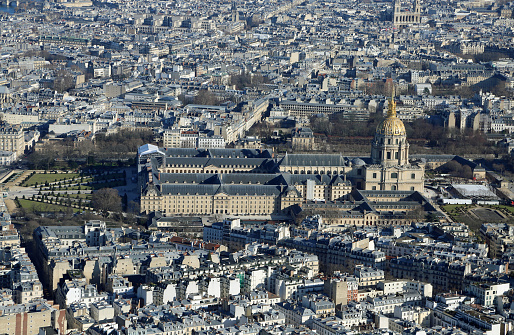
(37, 206)
(508, 208)
(61, 191)
(475, 215)
(450, 208)
(42, 178)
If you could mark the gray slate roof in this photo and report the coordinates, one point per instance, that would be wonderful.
(312, 160)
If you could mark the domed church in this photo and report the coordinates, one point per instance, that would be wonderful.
(389, 168)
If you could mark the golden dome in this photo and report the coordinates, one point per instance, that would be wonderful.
(391, 126)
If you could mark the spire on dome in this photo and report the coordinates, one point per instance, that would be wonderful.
(391, 112)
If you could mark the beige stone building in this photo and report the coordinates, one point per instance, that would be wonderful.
(315, 164)
(238, 193)
(371, 208)
(19, 118)
(403, 17)
(12, 139)
(341, 289)
(5, 95)
(253, 182)
(171, 138)
(29, 318)
(302, 139)
(28, 291)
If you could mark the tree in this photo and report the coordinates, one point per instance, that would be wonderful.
(206, 97)
(417, 214)
(106, 200)
(245, 80)
(133, 207)
(124, 201)
(63, 81)
(467, 172)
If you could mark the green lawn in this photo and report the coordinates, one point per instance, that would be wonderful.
(72, 196)
(95, 186)
(449, 208)
(470, 221)
(80, 196)
(43, 207)
(71, 188)
(509, 208)
(42, 178)
(76, 181)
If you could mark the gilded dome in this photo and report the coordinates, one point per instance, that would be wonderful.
(391, 126)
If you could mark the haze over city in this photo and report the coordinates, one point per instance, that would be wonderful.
(270, 167)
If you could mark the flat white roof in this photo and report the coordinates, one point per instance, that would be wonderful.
(474, 190)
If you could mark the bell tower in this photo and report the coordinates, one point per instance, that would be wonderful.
(397, 6)
(417, 12)
(235, 13)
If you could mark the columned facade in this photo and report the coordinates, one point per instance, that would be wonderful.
(403, 17)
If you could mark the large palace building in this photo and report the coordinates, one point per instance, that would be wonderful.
(177, 181)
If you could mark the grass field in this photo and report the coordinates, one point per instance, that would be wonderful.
(482, 212)
(43, 207)
(449, 208)
(95, 186)
(42, 178)
(80, 196)
(72, 195)
(74, 188)
(509, 208)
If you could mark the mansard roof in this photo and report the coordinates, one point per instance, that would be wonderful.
(312, 160)
(192, 189)
(263, 163)
(218, 153)
(213, 189)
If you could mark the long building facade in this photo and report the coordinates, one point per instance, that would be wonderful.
(180, 181)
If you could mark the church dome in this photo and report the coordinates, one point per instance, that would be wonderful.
(391, 125)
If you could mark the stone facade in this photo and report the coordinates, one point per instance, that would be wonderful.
(253, 182)
(402, 17)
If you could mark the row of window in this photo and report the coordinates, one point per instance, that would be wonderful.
(394, 175)
(393, 188)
